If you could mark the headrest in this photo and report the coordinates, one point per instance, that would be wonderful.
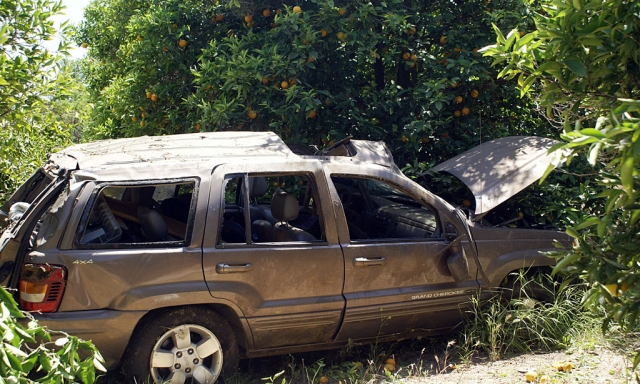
(257, 186)
(284, 206)
(152, 224)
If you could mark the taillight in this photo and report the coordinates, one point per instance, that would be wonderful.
(41, 287)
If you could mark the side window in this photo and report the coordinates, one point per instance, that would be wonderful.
(137, 214)
(270, 208)
(376, 210)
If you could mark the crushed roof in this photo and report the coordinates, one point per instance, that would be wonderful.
(203, 146)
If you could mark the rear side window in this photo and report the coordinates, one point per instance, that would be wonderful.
(120, 216)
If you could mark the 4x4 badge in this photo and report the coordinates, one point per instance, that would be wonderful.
(90, 261)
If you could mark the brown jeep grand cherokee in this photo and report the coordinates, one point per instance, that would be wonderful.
(179, 254)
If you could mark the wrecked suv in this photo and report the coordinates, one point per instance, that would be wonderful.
(177, 255)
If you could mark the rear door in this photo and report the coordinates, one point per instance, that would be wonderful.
(395, 250)
(288, 292)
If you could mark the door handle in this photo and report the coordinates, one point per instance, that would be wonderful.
(233, 268)
(369, 261)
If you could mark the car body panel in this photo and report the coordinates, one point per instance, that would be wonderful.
(498, 169)
(292, 292)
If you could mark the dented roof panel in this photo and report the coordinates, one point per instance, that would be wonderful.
(201, 147)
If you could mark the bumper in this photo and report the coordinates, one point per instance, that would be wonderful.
(109, 330)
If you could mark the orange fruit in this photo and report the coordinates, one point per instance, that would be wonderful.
(406, 56)
(265, 80)
(292, 81)
(443, 39)
(456, 113)
(389, 367)
(357, 364)
(248, 19)
(341, 36)
(454, 85)
(404, 139)
(148, 94)
(297, 9)
(411, 31)
(474, 93)
(198, 126)
(143, 114)
(84, 45)
(252, 114)
(413, 64)
(133, 118)
(330, 142)
(165, 49)
(390, 361)
(414, 57)
(182, 43)
(284, 85)
(458, 99)
(311, 59)
(425, 140)
(323, 32)
(342, 11)
(266, 12)
(323, 380)
(312, 114)
(139, 38)
(142, 123)
(521, 33)
(219, 17)
(154, 97)
(465, 111)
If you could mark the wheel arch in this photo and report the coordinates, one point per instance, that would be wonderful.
(240, 331)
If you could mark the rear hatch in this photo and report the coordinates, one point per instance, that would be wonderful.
(30, 201)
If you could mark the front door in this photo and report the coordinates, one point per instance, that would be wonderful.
(395, 250)
(281, 266)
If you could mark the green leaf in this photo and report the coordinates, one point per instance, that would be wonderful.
(6, 299)
(626, 175)
(576, 66)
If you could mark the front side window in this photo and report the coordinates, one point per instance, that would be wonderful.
(376, 210)
(270, 208)
(137, 214)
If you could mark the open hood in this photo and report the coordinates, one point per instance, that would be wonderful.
(498, 169)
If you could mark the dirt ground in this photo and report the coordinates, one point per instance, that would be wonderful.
(598, 365)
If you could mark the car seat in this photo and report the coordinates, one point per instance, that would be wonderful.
(284, 207)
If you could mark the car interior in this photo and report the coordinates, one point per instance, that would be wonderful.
(139, 214)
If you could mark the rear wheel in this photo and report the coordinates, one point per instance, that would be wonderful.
(185, 345)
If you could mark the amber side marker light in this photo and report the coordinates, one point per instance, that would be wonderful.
(41, 287)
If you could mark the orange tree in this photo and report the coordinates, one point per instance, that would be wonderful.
(403, 71)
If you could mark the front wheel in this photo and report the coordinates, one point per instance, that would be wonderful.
(185, 345)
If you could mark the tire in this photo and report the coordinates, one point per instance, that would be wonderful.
(534, 287)
(185, 345)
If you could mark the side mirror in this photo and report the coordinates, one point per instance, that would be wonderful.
(457, 261)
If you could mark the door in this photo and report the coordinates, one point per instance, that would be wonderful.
(288, 289)
(395, 251)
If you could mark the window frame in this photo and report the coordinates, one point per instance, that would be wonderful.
(423, 203)
(100, 186)
(246, 201)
